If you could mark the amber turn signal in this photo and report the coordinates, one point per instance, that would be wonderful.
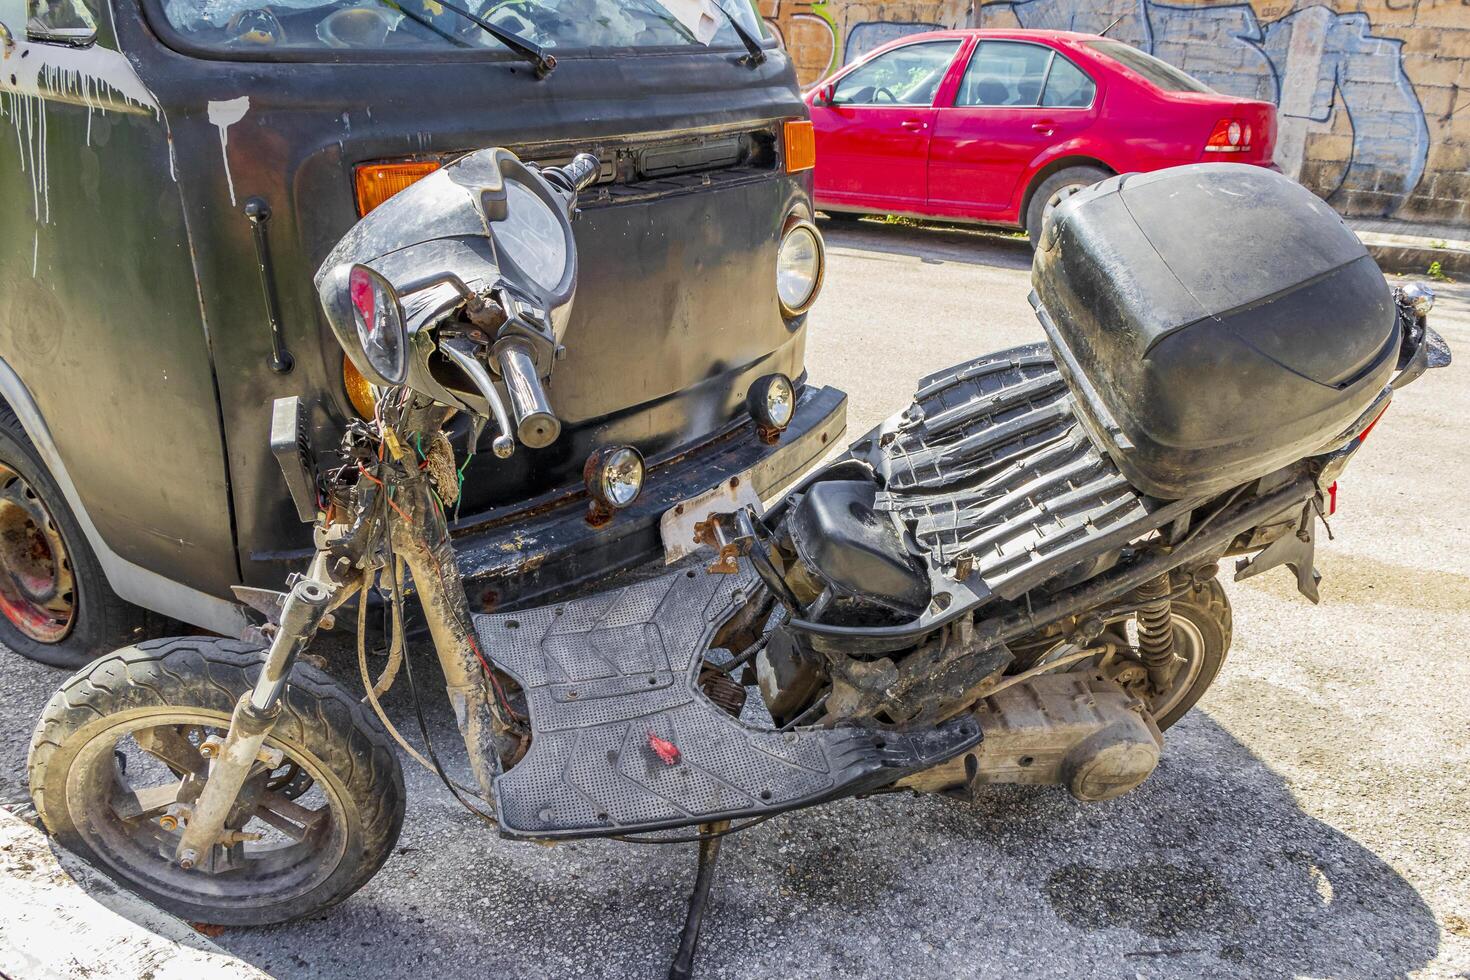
(359, 391)
(800, 142)
(376, 182)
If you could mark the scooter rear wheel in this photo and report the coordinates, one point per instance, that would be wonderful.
(122, 736)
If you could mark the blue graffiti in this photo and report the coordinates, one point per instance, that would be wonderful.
(1302, 62)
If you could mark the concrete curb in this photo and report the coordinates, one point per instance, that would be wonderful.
(1411, 249)
(62, 918)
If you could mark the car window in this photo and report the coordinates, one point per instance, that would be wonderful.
(1005, 73)
(1159, 73)
(1067, 87)
(909, 75)
(67, 21)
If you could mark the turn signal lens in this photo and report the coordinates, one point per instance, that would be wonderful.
(359, 390)
(376, 182)
(1229, 136)
(800, 142)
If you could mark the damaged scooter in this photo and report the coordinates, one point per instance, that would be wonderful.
(1017, 578)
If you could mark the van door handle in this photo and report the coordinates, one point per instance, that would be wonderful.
(913, 125)
(1045, 127)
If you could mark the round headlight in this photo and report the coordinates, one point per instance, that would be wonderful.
(799, 267)
(772, 402)
(614, 476)
(381, 335)
(1419, 297)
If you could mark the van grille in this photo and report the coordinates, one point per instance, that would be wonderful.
(634, 169)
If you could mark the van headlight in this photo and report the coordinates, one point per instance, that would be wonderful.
(800, 263)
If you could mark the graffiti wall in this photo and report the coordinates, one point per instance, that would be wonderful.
(1373, 95)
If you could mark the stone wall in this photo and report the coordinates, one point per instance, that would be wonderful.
(1374, 95)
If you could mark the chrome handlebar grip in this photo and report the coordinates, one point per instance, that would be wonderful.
(582, 171)
(536, 425)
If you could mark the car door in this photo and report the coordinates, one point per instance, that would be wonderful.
(873, 133)
(1015, 100)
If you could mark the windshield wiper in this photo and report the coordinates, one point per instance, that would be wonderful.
(529, 50)
(757, 54)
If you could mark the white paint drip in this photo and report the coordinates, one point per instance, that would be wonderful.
(224, 115)
(31, 75)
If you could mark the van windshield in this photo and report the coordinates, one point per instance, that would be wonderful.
(263, 26)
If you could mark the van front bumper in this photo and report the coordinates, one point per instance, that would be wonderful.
(544, 548)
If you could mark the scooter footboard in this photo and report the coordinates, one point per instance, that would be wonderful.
(624, 741)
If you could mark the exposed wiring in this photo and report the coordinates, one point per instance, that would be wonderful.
(418, 706)
(387, 495)
(371, 697)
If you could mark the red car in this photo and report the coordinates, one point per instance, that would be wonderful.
(998, 126)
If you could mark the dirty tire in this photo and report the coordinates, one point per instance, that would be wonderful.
(1070, 179)
(1208, 610)
(101, 621)
(320, 724)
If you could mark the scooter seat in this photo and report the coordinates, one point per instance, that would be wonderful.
(624, 741)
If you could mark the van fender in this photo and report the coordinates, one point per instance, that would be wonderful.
(130, 581)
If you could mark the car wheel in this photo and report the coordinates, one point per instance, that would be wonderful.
(1053, 191)
(55, 604)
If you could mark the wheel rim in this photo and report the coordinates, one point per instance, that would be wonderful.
(37, 591)
(130, 779)
(1062, 193)
(1189, 646)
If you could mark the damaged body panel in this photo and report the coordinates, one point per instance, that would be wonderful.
(170, 192)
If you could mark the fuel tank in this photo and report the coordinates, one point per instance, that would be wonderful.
(1214, 322)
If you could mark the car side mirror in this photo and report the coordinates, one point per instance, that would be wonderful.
(825, 95)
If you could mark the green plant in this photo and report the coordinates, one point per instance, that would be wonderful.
(1436, 272)
(1438, 243)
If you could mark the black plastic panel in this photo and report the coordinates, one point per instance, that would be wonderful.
(610, 682)
(1216, 322)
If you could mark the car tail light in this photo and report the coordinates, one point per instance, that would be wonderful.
(1229, 136)
(376, 182)
(800, 142)
(1332, 499)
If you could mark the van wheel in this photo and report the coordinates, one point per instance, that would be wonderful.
(55, 604)
(1053, 191)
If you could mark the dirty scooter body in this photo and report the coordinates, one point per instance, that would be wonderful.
(1015, 579)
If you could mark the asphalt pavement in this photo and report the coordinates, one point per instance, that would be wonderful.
(1309, 818)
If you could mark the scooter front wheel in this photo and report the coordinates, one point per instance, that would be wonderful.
(123, 749)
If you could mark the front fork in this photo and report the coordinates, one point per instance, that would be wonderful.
(416, 534)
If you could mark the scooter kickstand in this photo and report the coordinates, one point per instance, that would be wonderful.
(709, 852)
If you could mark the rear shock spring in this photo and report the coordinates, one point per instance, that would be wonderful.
(1156, 630)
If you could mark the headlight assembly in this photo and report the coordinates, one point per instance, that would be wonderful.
(800, 264)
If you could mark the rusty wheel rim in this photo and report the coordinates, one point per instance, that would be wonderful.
(37, 591)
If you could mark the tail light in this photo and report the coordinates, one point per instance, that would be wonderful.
(1332, 499)
(800, 145)
(376, 182)
(1229, 136)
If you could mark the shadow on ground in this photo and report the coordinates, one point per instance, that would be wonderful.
(1209, 869)
(931, 244)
